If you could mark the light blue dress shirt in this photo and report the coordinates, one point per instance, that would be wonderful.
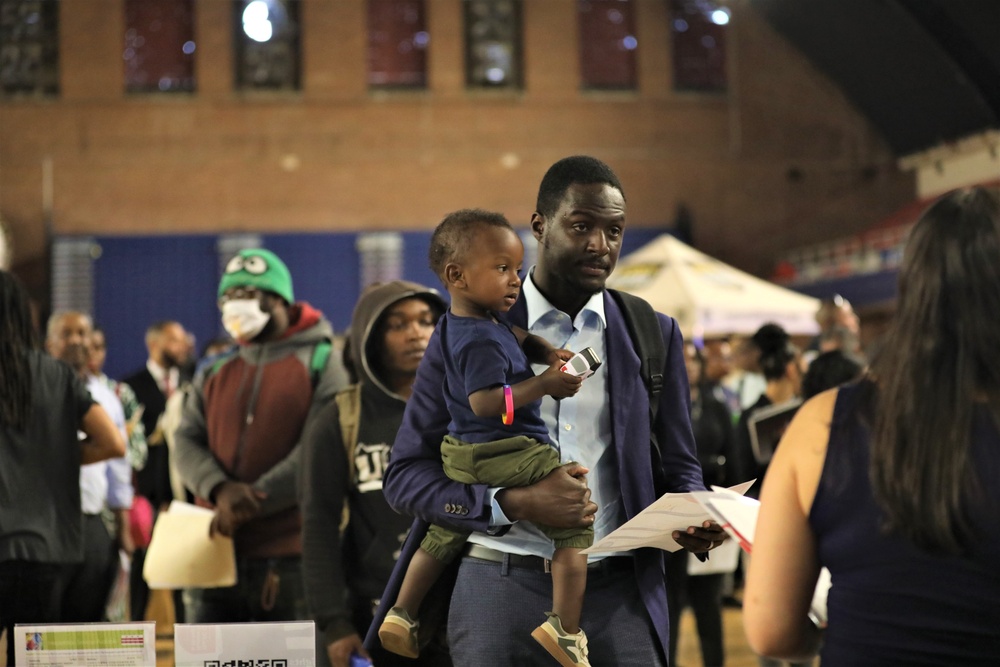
(579, 426)
(106, 482)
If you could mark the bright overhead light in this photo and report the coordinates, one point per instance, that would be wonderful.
(256, 23)
(720, 16)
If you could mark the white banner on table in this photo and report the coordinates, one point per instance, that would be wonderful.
(290, 644)
(85, 644)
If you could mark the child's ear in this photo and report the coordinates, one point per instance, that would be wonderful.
(453, 275)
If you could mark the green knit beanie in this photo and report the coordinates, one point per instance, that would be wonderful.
(256, 267)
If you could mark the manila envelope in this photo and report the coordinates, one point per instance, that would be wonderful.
(182, 555)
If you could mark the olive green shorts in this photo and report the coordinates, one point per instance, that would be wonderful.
(518, 461)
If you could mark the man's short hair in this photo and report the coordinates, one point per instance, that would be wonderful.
(58, 316)
(581, 169)
(452, 236)
(156, 328)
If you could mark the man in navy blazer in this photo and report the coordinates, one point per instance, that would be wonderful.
(501, 586)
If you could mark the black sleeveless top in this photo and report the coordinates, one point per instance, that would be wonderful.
(890, 603)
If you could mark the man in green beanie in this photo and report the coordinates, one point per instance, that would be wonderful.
(238, 443)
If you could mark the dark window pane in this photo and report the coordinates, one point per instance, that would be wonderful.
(397, 43)
(159, 46)
(29, 47)
(607, 43)
(493, 43)
(698, 28)
(267, 44)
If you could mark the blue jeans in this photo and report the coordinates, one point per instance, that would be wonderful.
(267, 590)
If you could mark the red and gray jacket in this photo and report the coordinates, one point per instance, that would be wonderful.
(243, 420)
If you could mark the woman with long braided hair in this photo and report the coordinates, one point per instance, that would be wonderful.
(43, 405)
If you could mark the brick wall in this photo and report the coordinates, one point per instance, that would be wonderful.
(782, 160)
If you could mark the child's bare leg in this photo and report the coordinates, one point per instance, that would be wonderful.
(423, 570)
(569, 581)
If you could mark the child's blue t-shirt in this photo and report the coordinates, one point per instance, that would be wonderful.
(480, 354)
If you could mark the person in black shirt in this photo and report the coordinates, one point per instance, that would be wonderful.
(345, 573)
(711, 421)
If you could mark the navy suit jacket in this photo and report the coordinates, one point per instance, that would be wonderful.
(153, 481)
(415, 482)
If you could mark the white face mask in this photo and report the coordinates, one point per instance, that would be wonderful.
(243, 318)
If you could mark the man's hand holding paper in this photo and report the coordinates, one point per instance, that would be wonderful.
(675, 521)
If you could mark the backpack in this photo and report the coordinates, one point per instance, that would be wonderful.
(644, 330)
(349, 414)
(349, 409)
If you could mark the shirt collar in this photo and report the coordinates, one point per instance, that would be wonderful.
(160, 374)
(538, 306)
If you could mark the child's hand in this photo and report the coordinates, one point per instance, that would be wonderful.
(559, 384)
(557, 356)
(537, 349)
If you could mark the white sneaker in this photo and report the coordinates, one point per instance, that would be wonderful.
(570, 649)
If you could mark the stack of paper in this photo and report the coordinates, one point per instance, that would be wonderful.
(738, 516)
(654, 526)
(734, 512)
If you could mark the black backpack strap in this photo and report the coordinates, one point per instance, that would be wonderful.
(647, 337)
(644, 329)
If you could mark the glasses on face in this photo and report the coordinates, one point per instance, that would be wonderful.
(239, 294)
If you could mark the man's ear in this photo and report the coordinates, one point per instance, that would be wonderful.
(537, 225)
(453, 275)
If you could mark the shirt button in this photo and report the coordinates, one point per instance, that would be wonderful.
(568, 427)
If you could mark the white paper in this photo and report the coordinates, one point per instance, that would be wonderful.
(654, 526)
(736, 513)
(85, 644)
(738, 516)
(197, 645)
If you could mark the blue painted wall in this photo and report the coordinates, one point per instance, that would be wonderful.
(141, 279)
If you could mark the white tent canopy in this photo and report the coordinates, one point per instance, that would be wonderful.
(708, 297)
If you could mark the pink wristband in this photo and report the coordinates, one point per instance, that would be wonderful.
(508, 401)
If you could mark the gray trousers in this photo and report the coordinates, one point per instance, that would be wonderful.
(495, 607)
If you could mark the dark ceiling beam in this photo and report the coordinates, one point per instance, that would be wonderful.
(916, 89)
(938, 18)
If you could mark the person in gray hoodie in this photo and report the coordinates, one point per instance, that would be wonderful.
(344, 456)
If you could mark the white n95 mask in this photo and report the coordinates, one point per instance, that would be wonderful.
(244, 319)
